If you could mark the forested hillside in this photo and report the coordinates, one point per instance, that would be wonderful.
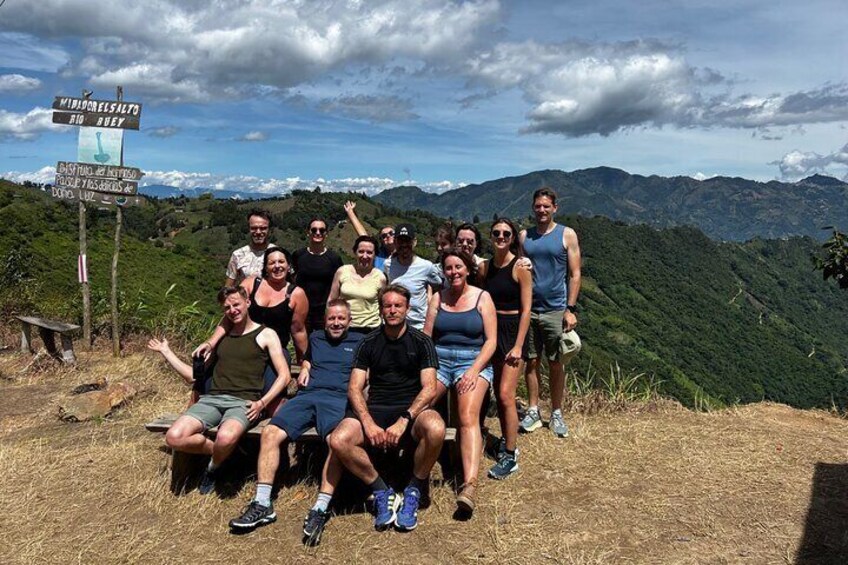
(713, 322)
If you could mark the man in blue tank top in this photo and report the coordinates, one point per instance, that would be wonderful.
(555, 253)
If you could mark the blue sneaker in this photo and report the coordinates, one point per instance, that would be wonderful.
(386, 504)
(407, 518)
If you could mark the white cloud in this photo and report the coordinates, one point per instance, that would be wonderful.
(254, 136)
(18, 83)
(274, 186)
(44, 175)
(163, 131)
(27, 126)
(797, 164)
(190, 51)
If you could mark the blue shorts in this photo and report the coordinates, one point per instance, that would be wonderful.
(321, 409)
(453, 362)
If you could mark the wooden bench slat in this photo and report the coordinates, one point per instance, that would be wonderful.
(52, 325)
(164, 422)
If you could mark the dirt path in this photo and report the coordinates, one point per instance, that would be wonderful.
(755, 484)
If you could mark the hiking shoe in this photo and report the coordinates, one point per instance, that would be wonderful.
(506, 465)
(465, 500)
(386, 504)
(558, 426)
(254, 515)
(407, 517)
(313, 526)
(532, 421)
(207, 482)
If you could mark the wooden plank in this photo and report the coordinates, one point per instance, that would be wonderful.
(100, 171)
(163, 423)
(48, 324)
(94, 198)
(116, 107)
(110, 186)
(96, 120)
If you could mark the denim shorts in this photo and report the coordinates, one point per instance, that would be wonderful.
(453, 362)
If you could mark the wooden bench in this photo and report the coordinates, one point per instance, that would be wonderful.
(186, 465)
(48, 329)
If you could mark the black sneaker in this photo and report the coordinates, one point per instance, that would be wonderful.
(255, 515)
(207, 482)
(313, 526)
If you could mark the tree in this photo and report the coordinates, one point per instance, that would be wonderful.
(834, 262)
(495, 217)
(476, 219)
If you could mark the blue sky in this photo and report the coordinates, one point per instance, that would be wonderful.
(272, 95)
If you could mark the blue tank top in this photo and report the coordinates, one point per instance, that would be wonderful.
(459, 329)
(550, 265)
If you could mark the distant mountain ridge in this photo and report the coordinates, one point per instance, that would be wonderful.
(725, 208)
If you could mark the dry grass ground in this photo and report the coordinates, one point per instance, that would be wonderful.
(652, 484)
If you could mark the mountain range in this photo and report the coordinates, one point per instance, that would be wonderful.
(724, 208)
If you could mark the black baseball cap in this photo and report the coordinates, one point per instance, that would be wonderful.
(405, 230)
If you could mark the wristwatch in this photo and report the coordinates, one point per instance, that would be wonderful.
(572, 308)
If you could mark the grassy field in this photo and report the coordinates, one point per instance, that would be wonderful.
(640, 482)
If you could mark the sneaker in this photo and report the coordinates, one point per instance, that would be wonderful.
(386, 504)
(207, 482)
(254, 515)
(558, 426)
(532, 421)
(506, 465)
(407, 517)
(465, 500)
(313, 526)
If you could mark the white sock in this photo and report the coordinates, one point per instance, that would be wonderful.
(263, 494)
(322, 503)
(557, 412)
(533, 409)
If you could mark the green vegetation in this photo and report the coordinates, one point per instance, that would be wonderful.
(833, 263)
(708, 323)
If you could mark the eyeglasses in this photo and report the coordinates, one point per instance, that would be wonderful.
(387, 235)
(318, 231)
(506, 234)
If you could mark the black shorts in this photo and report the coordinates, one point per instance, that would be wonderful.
(386, 417)
(507, 332)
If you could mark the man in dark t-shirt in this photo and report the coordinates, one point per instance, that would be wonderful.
(399, 364)
(320, 403)
(315, 266)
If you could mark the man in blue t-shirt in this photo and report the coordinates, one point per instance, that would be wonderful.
(321, 404)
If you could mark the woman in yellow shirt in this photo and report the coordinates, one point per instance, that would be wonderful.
(359, 284)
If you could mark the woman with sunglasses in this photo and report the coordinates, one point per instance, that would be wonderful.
(508, 279)
(315, 266)
(359, 284)
(462, 322)
(386, 236)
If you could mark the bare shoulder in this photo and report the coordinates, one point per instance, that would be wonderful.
(569, 237)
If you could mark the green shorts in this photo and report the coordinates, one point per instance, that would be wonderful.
(545, 334)
(215, 409)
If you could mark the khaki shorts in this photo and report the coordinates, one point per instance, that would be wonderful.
(215, 409)
(545, 334)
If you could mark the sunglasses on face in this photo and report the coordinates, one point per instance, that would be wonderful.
(504, 234)
(387, 235)
(318, 231)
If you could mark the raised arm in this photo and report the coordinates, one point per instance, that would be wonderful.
(350, 210)
(180, 366)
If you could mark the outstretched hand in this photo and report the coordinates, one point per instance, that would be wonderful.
(157, 345)
(349, 206)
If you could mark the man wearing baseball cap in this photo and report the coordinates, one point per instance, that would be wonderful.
(416, 274)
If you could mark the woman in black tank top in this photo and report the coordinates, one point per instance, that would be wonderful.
(507, 278)
(274, 302)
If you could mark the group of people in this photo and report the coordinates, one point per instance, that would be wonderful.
(378, 343)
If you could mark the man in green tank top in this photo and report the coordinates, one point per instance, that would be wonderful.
(236, 399)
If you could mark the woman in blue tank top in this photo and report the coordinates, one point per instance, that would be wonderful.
(508, 279)
(461, 319)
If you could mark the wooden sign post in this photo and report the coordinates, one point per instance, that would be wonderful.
(119, 215)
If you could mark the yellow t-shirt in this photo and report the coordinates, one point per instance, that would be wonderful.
(361, 294)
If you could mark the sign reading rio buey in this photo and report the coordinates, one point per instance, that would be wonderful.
(96, 113)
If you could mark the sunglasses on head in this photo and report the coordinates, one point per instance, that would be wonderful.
(387, 235)
(318, 231)
(502, 233)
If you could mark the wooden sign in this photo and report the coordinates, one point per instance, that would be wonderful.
(111, 186)
(96, 120)
(89, 197)
(100, 171)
